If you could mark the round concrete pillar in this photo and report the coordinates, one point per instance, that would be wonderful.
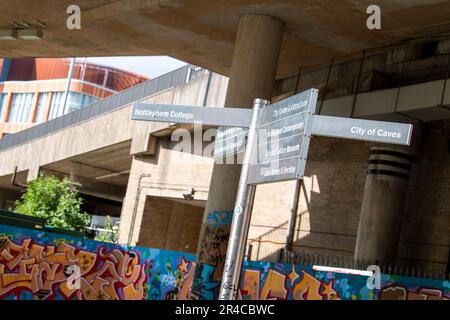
(383, 205)
(255, 60)
(252, 75)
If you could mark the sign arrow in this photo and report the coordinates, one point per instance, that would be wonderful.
(358, 129)
(208, 116)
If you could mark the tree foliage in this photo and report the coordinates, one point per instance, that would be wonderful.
(55, 200)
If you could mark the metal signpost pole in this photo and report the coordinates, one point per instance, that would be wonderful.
(241, 215)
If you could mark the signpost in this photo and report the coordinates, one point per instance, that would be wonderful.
(275, 139)
(284, 129)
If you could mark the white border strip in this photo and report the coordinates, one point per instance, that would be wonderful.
(343, 270)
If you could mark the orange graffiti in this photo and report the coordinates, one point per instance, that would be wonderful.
(309, 289)
(274, 287)
(250, 286)
(185, 279)
(397, 292)
(42, 270)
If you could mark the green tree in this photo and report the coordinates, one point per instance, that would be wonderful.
(55, 200)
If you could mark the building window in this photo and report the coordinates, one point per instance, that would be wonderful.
(56, 107)
(2, 102)
(21, 108)
(40, 110)
(75, 101)
(78, 100)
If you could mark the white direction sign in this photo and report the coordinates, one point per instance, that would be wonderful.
(367, 130)
(223, 117)
(284, 131)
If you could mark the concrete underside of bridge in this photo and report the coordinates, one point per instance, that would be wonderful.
(203, 32)
(347, 207)
(100, 175)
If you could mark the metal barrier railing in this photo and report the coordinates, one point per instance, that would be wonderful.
(111, 103)
(393, 268)
(270, 247)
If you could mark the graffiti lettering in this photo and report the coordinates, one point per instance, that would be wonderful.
(44, 269)
(263, 280)
(397, 292)
(204, 286)
(212, 254)
(48, 266)
(213, 247)
(220, 217)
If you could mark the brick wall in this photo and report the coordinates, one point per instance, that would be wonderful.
(170, 225)
(169, 174)
(425, 236)
(329, 206)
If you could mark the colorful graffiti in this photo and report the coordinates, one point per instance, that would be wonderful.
(39, 265)
(211, 257)
(264, 280)
(220, 217)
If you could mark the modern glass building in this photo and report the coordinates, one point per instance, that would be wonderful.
(32, 90)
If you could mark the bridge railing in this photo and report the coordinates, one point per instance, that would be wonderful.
(111, 103)
(399, 268)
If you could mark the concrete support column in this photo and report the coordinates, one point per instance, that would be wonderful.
(252, 75)
(134, 202)
(383, 205)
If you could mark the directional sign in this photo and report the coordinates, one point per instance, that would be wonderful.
(294, 105)
(284, 130)
(229, 141)
(279, 137)
(223, 117)
(367, 130)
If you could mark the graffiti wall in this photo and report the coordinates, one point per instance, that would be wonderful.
(264, 280)
(47, 266)
(37, 265)
(211, 258)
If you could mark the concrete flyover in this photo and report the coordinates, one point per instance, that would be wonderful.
(202, 32)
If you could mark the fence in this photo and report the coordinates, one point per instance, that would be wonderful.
(396, 268)
(270, 247)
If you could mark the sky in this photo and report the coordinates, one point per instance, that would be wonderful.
(150, 66)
